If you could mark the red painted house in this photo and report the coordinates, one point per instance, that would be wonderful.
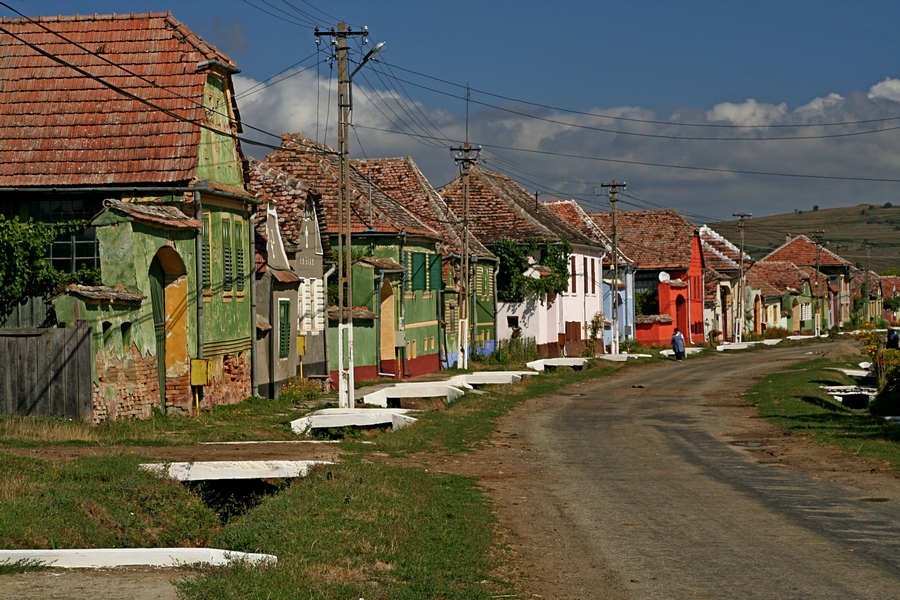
(668, 262)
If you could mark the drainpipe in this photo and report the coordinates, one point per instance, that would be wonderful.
(690, 301)
(254, 366)
(198, 260)
(325, 277)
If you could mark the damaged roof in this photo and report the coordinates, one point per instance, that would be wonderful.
(121, 103)
(160, 215)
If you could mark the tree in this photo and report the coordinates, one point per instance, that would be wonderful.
(25, 270)
(513, 285)
(815, 207)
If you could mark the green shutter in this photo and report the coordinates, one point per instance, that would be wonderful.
(239, 255)
(204, 254)
(434, 272)
(284, 328)
(227, 260)
(418, 271)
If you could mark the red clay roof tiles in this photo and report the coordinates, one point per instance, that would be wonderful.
(653, 239)
(59, 126)
(801, 250)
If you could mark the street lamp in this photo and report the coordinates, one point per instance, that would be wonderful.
(345, 264)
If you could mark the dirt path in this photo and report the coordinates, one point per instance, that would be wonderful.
(535, 480)
(650, 485)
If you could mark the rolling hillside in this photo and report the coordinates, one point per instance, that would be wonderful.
(845, 230)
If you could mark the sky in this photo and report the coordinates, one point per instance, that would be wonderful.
(710, 108)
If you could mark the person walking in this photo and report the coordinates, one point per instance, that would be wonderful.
(678, 345)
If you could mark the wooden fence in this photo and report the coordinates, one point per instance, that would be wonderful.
(46, 372)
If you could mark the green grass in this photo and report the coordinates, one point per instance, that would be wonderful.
(25, 565)
(251, 420)
(96, 502)
(793, 400)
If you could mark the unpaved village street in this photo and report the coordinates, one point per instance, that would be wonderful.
(661, 483)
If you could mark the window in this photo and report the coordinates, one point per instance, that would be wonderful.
(227, 258)
(284, 328)
(584, 263)
(204, 255)
(574, 288)
(593, 275)
(239, 255)
(306, 301)
(318, 303)
(126, 336)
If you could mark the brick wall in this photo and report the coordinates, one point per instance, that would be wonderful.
(127, 388)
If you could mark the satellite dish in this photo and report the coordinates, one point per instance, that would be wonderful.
(663, 276)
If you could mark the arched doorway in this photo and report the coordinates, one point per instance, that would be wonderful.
(795, 315)
(681, 317)
(169, 299)
(387, 352)
(757, 315)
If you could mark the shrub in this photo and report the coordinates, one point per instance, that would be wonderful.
(629, 346)
(297, 389)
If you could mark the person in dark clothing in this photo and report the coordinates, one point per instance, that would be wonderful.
(893, 339)
(678, 345)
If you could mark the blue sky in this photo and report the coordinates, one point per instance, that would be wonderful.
(612, 90)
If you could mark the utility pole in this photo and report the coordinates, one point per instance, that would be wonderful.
(739, 322)
(868, 247)
(613, 198)
(817, 238)
(345, 264)
(465, 159)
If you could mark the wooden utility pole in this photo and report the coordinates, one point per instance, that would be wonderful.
(613, 198)
(817, 238)
(465, 159)
(867, 245)
(739, 322)
(345, 264)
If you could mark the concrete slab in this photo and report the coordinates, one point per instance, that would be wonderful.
(771, 342)
(801, 337)
(246, 469)
(853, 372)
(98, 558)
(735, 346)
(353, 417)
(687, 351)
(542, 363)
(423, 389)
(470, 380)
(617, 357)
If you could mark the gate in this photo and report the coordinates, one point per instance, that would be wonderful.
(46, 372)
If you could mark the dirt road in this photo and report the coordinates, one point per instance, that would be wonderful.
(661, 483)
(658, 483)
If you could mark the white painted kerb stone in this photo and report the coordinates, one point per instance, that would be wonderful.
(234, 469)
(98, 558)
(350, 417)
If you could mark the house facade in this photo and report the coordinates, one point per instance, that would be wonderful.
(396, 266)
(803, 295)
(151, 161)
(668, 272)
(402, 180)
(502, 212)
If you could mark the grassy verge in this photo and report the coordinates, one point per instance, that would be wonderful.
(359, 529)
(793, 400)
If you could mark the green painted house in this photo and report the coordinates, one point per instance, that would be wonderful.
(396, 271)
(141, 141)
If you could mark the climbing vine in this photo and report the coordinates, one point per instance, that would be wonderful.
(513, 285)
(25, 269)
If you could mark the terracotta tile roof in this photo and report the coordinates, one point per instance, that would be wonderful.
(870, 278)
(719, 253)
(572, 213)
(650, 319)
(384, 264)
(318, 167)
(801, 250)
(890, 286)
(160, 215)
(401, 179)
(784, 276)
(501, 209)
(653, 239)
(60, 127)
(757, 282)
(101, 294)
(359, 313)
(284, 276)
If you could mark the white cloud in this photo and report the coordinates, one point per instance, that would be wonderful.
(888, 89)
(820, 106)
(750, 113)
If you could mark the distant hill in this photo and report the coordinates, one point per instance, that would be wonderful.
(845, 231)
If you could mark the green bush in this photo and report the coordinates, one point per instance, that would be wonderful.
(887, 402)
(631, 346)
(297, 389)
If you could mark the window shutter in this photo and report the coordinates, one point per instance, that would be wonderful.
(205, 256)
(434, 272)
(239, 255)
(418, 271)
(318, 306)
(227, 265)
(284, 328)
